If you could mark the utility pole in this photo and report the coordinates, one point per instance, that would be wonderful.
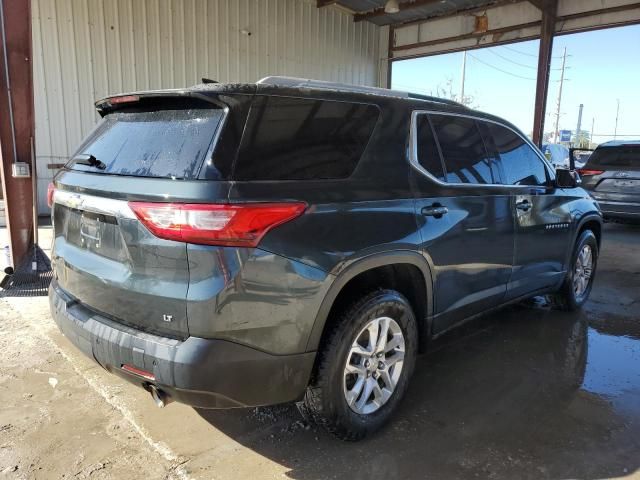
(564, 61)
(615, 131)
(593, 123)
(579, 123)
(464, 69)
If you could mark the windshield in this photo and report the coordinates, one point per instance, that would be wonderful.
(153, 143)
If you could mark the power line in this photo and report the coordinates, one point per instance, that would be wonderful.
(501, 70)
(525, 53)
(617, 134)
(516, 63)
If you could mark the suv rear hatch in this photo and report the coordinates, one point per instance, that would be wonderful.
(614, 172)
(145, 150)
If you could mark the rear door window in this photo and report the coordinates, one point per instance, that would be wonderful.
(303, 139)
(427, 149)
(465, 156)
(616, 158)
(520, 163)
(152, 143)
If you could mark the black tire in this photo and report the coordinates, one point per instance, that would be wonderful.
(325, 398)
(565, 298)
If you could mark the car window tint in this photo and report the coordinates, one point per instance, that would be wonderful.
(492, 151)
(426, 148)
(520, 163)
(622, 157)
(304, 139)
(154, 143)
(465, 157)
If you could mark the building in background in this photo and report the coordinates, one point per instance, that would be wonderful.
(84, 51)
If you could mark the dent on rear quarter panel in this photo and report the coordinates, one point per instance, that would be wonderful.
(253, 297)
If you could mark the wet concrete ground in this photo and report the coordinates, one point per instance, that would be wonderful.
(525, 393)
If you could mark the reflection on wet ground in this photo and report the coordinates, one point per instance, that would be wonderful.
(525, 393)
(610, 366)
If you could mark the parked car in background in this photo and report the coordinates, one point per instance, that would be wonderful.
(244, 245)
(558, 155)
(612, 176)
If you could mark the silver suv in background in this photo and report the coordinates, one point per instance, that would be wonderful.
(612, 177)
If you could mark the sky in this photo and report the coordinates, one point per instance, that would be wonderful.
(602, 67)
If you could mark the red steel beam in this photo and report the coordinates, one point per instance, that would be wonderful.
(460, 12)
(17, 191)
(549, 11)
(464, 36)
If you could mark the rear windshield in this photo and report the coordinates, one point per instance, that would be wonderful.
(625, 157)
(303, 139)
(152, 143)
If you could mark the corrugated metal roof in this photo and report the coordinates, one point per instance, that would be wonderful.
(419, 12)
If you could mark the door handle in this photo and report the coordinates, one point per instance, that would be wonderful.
(524, 205)
(436, 210)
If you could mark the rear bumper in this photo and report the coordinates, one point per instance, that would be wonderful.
(619, 210)
(201, 372)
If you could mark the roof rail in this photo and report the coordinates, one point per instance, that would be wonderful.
(420, 96)
(346, 87)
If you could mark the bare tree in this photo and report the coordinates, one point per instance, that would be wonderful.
(446, 91)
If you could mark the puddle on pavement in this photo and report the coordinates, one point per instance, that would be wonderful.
(613, 369)
(527, 393)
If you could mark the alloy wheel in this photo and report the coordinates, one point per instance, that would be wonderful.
(374, 365)
(582, 271)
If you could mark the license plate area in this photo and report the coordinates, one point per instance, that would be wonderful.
(90, 230)
(626, 183)
(96, 233)
(627, 186)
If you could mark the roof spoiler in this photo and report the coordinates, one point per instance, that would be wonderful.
(115, 102)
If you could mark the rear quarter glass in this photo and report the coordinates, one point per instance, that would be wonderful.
(290, 138)
(169, 142)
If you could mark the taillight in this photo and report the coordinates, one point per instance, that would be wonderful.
(585, 172)
(50, 191)
(123, 99)
(240, 225)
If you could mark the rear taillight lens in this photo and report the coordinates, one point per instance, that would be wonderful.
(124, 99)
(585, 172)
(50, 191)
(240, 225)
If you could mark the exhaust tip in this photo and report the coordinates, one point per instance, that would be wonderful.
(160, 398)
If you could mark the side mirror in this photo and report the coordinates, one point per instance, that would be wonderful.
(566, 178)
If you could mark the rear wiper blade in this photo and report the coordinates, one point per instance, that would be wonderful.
(90, 160)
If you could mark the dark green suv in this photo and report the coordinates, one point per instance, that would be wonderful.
(244, 245)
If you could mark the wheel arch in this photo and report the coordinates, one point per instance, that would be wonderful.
(404, 265)
(590, 221)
